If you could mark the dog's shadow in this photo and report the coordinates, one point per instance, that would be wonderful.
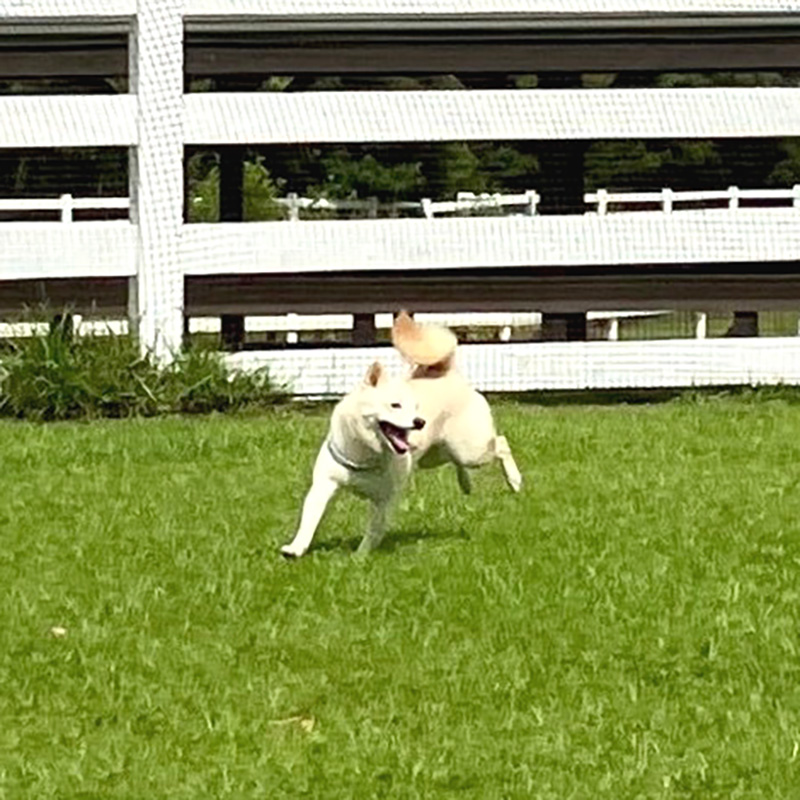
(394, 540)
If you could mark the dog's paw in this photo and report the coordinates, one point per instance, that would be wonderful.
(288, 551)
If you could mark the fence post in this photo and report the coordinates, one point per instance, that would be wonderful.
(66, 207)
(293, 206)
(157, 205)
(372, 208)
(533, 202)
(602, 202)
(613, 329)
(796, 196)
(292, 336)
(364, 331)
(427, 207)
(667, 199)
(733, 194)
(701, 326)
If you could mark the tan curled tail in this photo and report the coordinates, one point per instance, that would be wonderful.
(510, 468)
(430, 348)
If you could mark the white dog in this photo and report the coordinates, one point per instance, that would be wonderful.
(387, 425)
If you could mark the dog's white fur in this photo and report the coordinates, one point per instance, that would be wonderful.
(433, 411)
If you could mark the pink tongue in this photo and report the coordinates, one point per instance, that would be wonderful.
(399, 444)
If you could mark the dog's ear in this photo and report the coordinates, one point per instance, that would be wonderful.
(374, 374)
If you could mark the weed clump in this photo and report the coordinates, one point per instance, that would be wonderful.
(56, 375)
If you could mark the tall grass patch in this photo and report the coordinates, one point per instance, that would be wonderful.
(58, 375)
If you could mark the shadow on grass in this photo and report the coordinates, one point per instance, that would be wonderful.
(393, 541)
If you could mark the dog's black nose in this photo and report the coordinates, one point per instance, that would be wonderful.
(419, 423)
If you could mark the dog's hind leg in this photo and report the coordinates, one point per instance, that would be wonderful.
(510, 469)
(464, 480)
(313, 508)
(377, 528)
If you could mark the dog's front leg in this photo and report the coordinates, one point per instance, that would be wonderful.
(377, 527)
(322, 489)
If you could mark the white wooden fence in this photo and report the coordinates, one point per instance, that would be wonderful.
(156, 251)
(465, 203)
(668, 199)
(65, 204)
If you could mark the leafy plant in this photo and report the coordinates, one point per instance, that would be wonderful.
(57, 375)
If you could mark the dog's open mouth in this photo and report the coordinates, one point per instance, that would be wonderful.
(396, 436)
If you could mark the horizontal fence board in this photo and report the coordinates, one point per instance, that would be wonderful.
(417, 10)
(57, 250)
(556, 365)
(431, 8)
(690, 237)
(67, 120)
(558, 114)
(66, 9)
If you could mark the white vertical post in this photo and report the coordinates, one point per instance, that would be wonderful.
(667, 199)
(533, 202)
(292, 336)
(157, 204)
(602, 202)
(796, 196)
(293, 206)
(733, 194)
(613, 329)
(66, 207)
(701, 326)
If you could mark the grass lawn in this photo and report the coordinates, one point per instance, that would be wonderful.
(627, 627)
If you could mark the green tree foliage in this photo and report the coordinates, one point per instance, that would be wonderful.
(346, 176)
(787, 171)
(259, 191)
(637, 165)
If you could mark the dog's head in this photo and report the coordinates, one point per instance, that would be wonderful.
(389, 410)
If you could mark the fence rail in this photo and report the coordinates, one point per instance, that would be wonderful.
(668, 199)
(168, 269)
(466, 203)
(66, 204)
(683, 363)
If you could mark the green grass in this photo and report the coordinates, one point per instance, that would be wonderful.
(627, 627)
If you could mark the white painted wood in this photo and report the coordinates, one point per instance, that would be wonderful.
(67, 120)
(158, 77)
(668, 198)
(678, 363)
(214, 118)
(56, 250)
(701, 326)
(711, 236)
(44, 10)
(688, 237)
(416, 9)
(65, 204)
(465, 202)
(82, 327)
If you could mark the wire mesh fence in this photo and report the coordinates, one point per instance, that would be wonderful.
(456, 159)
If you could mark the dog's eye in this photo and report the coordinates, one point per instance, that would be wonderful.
(396, 405)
